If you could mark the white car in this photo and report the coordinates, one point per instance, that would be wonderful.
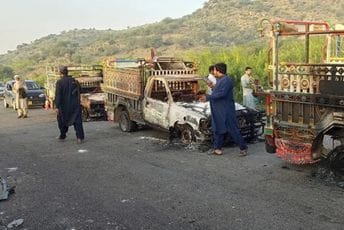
(2, 88)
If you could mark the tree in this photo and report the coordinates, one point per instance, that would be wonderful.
(6, 73)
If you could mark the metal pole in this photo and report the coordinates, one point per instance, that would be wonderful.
(307, 44)
(275, 60)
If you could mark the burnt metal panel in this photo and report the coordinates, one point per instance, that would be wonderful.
(332, 87)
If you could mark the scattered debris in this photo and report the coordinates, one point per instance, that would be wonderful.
(190, 147)
(152, 139)
(324, 173)
(12, 169)
(205, 147)
(340, 184)
(82, 151)
(4, 189)
(90, 221)
(15, 223)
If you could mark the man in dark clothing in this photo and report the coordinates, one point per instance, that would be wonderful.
(224, 120)
(68, 109)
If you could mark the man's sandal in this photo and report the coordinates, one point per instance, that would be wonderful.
(243, 153)
(217, 152)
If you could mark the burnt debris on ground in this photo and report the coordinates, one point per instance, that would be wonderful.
(5, 190)
(327, 174)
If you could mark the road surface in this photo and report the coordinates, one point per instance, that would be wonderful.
(137, 180)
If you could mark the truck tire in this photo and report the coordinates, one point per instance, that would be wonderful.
(187, 135)
(5, 103)
(336, 161)
(269, 148)
(125, 124)
(85, 114)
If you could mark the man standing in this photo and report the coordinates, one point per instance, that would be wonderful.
(68, 109)
(20, 89)
(247, 82)
(223, 114)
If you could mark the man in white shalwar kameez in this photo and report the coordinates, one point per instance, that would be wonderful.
(247, 82)
(20, 89)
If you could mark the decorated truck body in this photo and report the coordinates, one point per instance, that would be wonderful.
(305, 104)
(163, 93)
(92, 99)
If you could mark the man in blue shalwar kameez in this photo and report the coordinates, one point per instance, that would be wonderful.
(224, 120)
(68, 109)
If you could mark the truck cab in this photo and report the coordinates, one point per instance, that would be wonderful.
(169, 102)
(153, 92)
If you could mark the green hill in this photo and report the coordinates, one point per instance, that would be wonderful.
(220, 23)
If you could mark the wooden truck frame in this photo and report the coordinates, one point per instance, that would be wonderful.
(163, 93)
(305, 104)
(92, 99)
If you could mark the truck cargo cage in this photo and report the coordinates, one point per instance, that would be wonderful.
(306, 89)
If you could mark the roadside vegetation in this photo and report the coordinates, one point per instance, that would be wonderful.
(222, 30)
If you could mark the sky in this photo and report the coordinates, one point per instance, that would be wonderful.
(23, 21)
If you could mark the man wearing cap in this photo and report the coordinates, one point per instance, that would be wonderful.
(68, 108)
(20, 89)
(224, 120)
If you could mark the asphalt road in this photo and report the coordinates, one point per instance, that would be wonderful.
(136, 180)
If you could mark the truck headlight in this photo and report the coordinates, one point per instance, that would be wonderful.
(41, 95)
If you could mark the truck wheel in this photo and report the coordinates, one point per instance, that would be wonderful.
(269, 148)
(336, 160)
(5, 103)
(85, 115)
(125, 124)
(187, 135)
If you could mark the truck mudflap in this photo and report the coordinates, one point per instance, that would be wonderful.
(294, 152)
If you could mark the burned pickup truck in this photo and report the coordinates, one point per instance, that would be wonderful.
(92, 99)
(163, 93)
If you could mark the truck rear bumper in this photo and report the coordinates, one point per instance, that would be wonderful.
(294, 152)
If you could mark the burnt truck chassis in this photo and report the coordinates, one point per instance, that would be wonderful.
(92, 99)
(128, 108)
(251, 124)
(93, 109)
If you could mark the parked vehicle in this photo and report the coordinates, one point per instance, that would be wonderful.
(35, 94)
(92, 99)
(2, 89)
(163, 93)
(305, 105)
